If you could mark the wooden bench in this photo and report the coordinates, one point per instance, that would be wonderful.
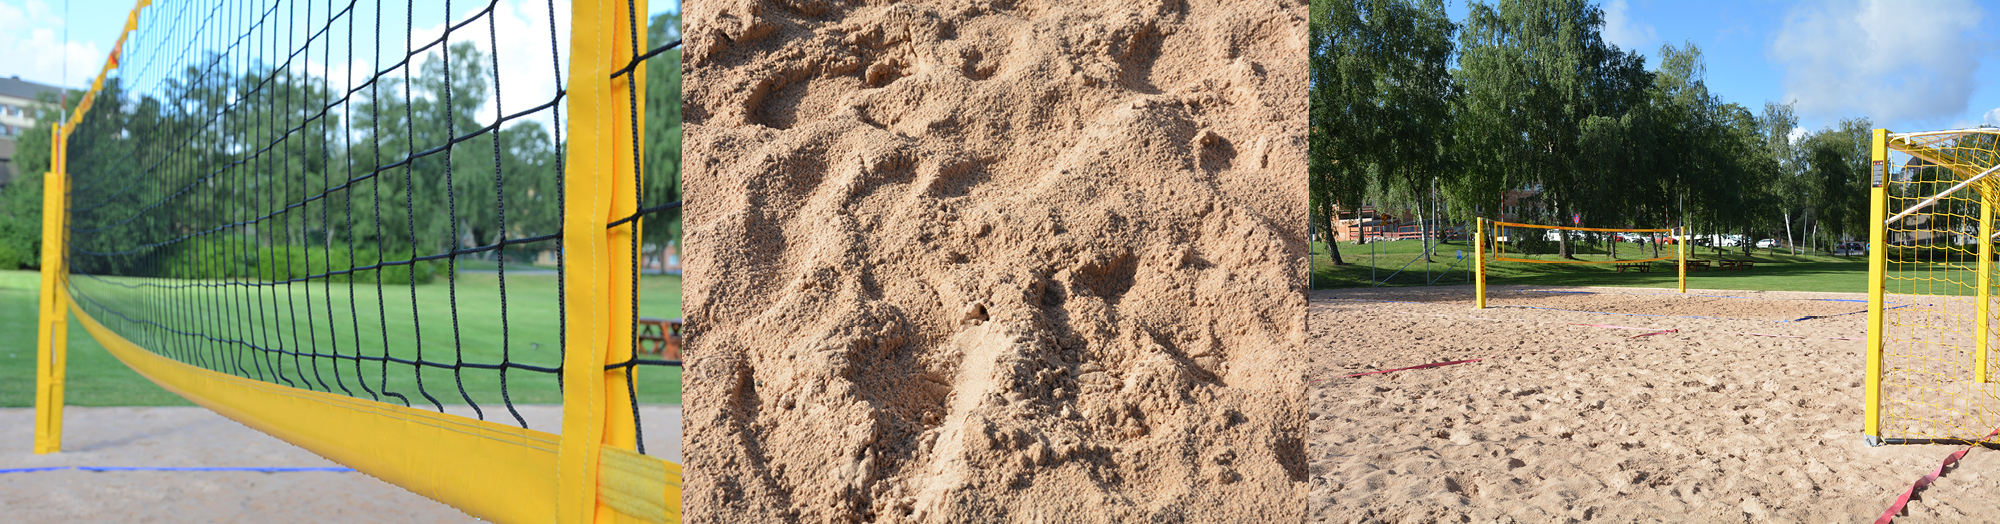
(1737, 265)
(1697, 265)
(1643, 268)
(660, 336)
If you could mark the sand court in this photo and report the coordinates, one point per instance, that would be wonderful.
(1620, 404)
(193, 437)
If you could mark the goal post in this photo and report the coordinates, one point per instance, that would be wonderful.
(1931, 200)
(1491, 241)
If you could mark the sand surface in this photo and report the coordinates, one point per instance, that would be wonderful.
(1578, 420)
(197, 437)
(990, 261)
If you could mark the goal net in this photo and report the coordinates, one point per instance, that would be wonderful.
(1930, 253)
(1627, 249)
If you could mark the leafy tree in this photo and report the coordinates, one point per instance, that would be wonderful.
(1533, 73)
(1380, 101)
(1836, 161)
(21, 199)
(663, 133)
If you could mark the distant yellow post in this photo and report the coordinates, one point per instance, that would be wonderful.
(1878, 211)
(52, 326)
(1981, 326)
(1479, 259)
(1681, 249)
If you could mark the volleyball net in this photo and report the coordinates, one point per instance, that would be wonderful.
(1628, 249)
(414, 239)
(1930, 377)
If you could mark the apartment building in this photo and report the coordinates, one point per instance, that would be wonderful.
(17, 96)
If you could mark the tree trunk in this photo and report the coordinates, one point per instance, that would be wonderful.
(1562, 238)
(1332, 214)
(1424, 230)
(1747, 244)
(1788, 233)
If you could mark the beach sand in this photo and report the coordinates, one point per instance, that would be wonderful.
(1572, 418)
(970, 261)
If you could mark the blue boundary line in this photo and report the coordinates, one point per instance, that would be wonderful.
(121, 468)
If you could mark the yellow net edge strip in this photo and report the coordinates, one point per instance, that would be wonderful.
(639, 486)
(1532, 261)
(1539, 226)
(489, 470)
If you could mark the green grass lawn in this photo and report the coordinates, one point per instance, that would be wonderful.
(1779, 271)
(95, 377)
(329, 318)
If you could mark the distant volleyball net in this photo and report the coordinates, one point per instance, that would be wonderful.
(385, 233)
(1930, 368)
(1633, 249)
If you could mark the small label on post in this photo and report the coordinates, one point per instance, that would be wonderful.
(1876, 172)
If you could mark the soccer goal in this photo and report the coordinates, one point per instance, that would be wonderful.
(1625, 249)
(1930, 270)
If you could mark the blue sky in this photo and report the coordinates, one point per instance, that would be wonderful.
(1905, 68)
(1906, 65)
(33, 44)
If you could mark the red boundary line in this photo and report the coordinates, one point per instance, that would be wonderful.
(1890, 515)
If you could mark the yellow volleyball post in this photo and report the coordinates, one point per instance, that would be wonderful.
(52, 326)
(1681, 250)
(600, 476)
(1479, 259)
(1878, 210)
(586, 213)
(1981, 325)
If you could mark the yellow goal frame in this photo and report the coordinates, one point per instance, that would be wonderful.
(1889, 380)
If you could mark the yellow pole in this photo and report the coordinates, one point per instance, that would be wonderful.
(600, 186)
(1681, 249)
(52, 328)
(1479, 257)
(1981, 326)
(1878, 210)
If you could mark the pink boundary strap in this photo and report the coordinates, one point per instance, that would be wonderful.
(1888, 516)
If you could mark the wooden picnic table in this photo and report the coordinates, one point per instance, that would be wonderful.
(660, 336)
(1643, 268)
(1697, 265)
(1737, 265)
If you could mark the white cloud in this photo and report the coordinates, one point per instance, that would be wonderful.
(1893, 63)
(1622, 30)
(32, 42)
(1797, 134)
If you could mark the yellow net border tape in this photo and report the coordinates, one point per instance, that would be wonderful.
(489, 470)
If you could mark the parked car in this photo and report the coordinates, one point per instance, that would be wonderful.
(1767, 243)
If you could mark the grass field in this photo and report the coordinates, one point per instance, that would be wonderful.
(1778, 271)
(329, 318)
